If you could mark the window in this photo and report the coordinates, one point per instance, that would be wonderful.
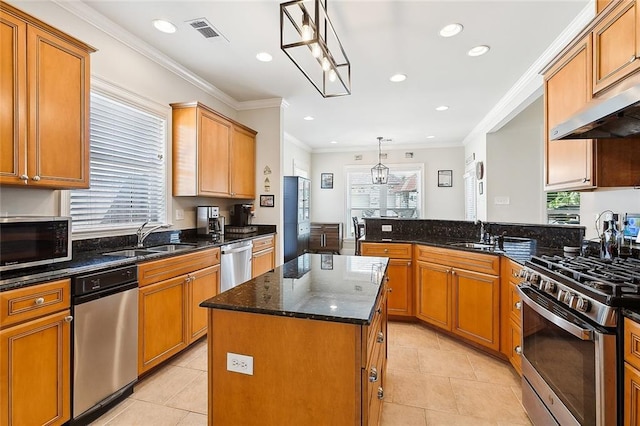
(400, 197)
(563, 207)
(127, 168)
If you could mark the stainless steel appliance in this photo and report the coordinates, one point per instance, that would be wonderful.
(241, 214)
(105, 341)
(571, 329)
(616, 117)
(209, 221)
(27, 241)
(235, 264)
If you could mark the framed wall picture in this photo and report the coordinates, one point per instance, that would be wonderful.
(445, 178)
(326, 180)
(267, 200)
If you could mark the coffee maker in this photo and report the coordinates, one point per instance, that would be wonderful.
(241, 214)
(209, 221)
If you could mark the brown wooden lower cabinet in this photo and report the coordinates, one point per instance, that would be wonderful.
(264, 255)
(400, 273)
(35, 347)
(463, 301)
(325, 237)
(510, 305)
(169, 315)
(305, 371)
(631, 395)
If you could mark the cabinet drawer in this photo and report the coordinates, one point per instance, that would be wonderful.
(31, 302)
(375, 333)
(164, 269)
(514, 341)
(263, 243)
(478, 262)
(393, 250)
(632, 342)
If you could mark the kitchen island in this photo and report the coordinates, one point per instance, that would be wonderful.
(302, 344)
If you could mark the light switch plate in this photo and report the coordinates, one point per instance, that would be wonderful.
(179, 214)
(504, 200)
(242, 364)
(386, 228)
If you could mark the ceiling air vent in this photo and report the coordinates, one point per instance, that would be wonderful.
(205, 28)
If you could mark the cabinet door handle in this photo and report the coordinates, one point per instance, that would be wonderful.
(373, 375)
(24, 178)
(39, 301)
(585, 180)
(36, 178)
(453, 272)
(68, 318)
(633, 58)
(518, 350)
(380, 338)
(518, 305)
(386, 250)
(380, 393)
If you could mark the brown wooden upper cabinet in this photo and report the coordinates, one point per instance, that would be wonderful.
(567, 89)
(212, 155)
(595, 66)
(44, 81)
(602, 4)
(616, 45)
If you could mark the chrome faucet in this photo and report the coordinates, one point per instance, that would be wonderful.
(143, 235)
(481, 230)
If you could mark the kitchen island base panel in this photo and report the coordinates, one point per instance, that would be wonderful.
(302, 370)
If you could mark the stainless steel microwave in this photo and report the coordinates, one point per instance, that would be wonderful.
(27, 241)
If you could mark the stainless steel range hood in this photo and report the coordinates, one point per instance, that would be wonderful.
(617, 117)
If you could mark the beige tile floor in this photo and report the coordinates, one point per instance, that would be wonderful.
(431, 380)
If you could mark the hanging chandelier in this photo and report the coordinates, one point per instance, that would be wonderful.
(308, 38)
(379, 172)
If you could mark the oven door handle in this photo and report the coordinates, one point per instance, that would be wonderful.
(579, 332)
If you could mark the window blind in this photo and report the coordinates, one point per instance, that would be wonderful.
(127, 168)
(469, 196)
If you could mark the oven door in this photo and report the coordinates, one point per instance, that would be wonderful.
(568, 363)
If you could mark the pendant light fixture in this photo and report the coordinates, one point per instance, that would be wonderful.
(308, 38)
(379, 172)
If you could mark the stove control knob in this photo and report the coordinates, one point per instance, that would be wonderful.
(561, 295)
(583, 305)
(534, 278)
(522, 273)
(541, 284)
(550, 287)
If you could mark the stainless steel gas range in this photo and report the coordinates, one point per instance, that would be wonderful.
(572, 337)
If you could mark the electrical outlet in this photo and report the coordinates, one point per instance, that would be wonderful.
(386, 228)
(502, 200)
(242, 364)
(179, 214)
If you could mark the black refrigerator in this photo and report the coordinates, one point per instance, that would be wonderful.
(296, 216)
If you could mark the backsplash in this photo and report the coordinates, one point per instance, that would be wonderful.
(549, 236)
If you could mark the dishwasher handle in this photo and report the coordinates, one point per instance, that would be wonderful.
(236, 250)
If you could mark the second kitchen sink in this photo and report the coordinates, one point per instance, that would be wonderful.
(164, 248)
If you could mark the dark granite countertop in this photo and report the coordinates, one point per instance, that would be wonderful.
(313, 286)
(517, 249)
(633, 314)
(89, 257)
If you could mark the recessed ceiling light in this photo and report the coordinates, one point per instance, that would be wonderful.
(430, 137)
(478, 50)
(334, 142)
(451, 30)
(264, 57)
(442, 108)
(396, 78)
(308, 118)
(164, 26)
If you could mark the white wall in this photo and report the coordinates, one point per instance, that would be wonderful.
(477, 147)
(514, 169)
(295, 153)
(328, 205)
(619, 200)
(122, 66)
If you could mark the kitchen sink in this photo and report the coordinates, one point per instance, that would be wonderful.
(475, 245)
(130, 252)
(171, 247)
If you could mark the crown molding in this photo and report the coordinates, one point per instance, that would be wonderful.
(101, 22)
(388, 148)
(297, 142)
(262, 103)
(529, 86)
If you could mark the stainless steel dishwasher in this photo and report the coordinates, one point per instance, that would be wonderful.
(235, 264)
(105, 341)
